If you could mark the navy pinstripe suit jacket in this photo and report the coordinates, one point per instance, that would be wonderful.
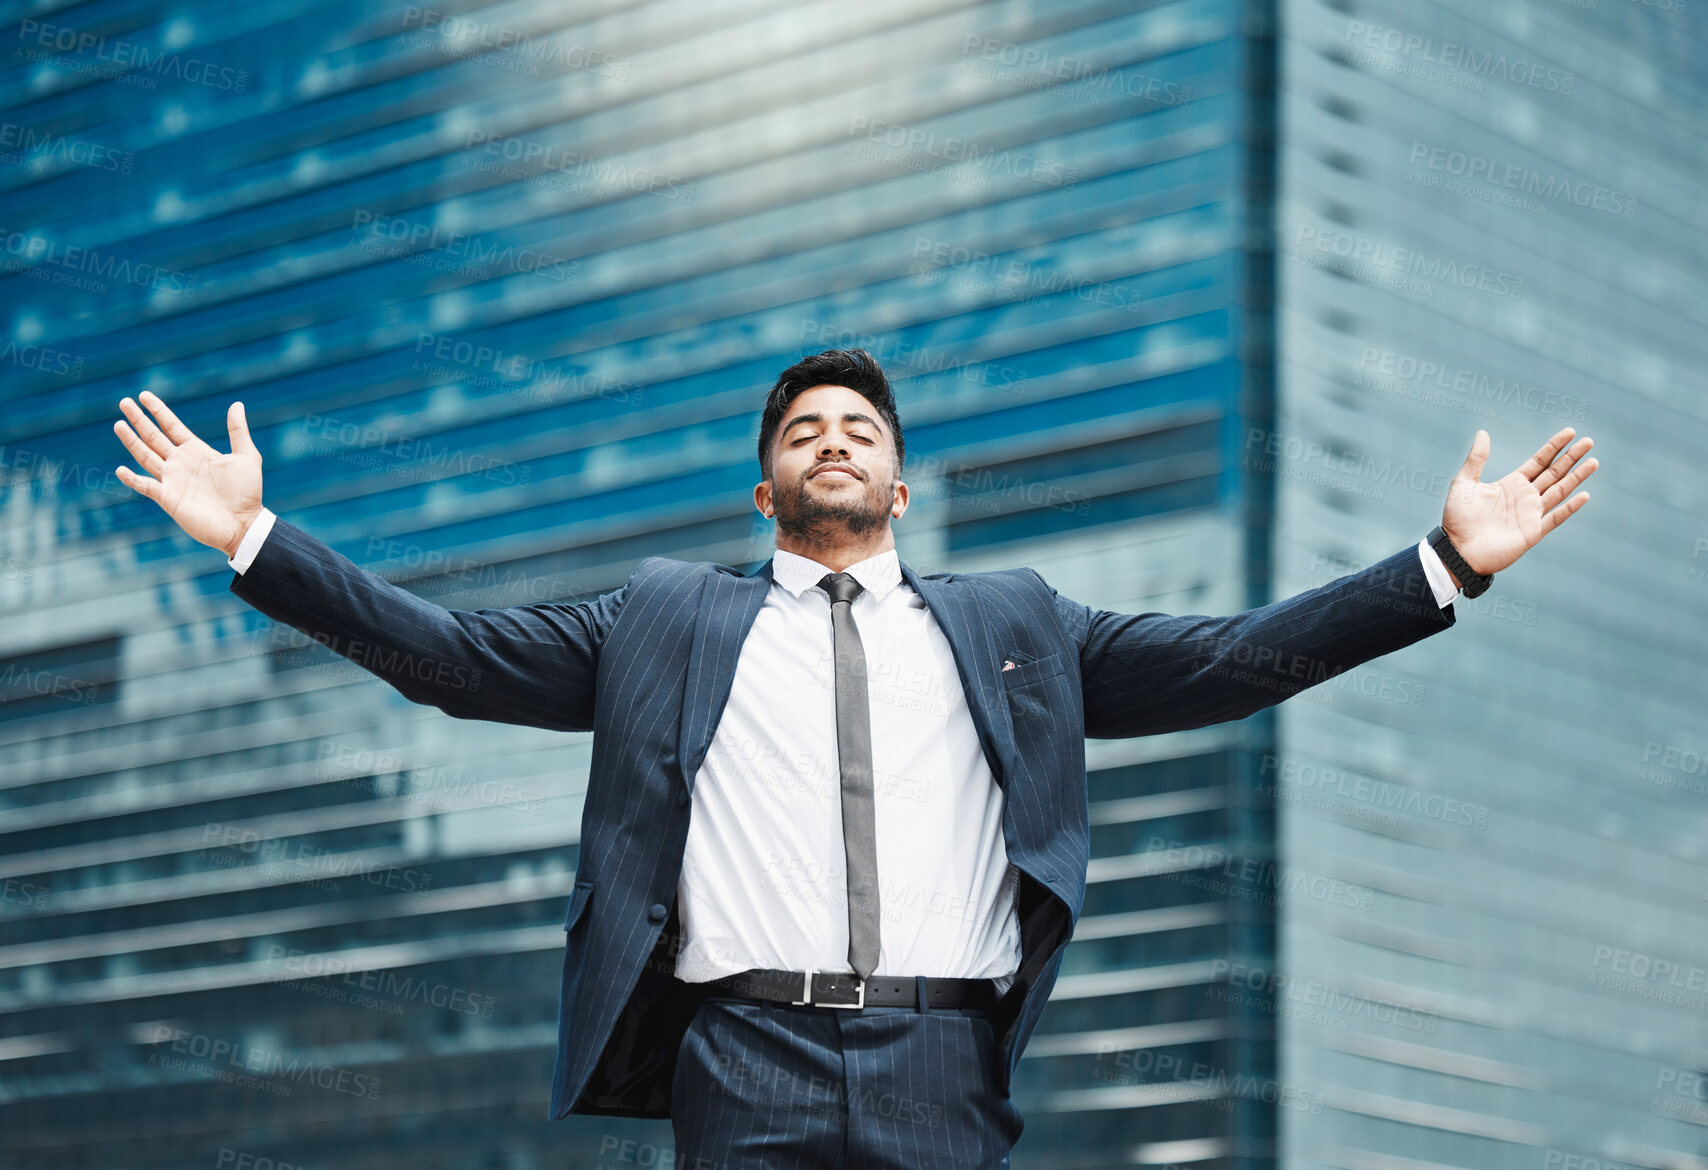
(648, 669)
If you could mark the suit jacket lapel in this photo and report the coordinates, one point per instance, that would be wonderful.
(961, 617)
(727, 606)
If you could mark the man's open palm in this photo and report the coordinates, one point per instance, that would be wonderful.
(1493, 524)
(212, 496)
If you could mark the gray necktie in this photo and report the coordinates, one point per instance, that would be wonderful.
(854, 752)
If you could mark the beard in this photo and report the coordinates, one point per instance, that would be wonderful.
(814, 517)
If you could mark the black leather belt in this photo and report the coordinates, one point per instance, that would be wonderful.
(843, 989)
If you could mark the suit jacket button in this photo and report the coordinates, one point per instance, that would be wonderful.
(659, 912)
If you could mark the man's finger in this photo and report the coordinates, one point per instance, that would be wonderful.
(1557, 469)
(140, 483)
(1538, 462)
(140, 451)
(1564, 488)
(1472, 468)
(1558, 516)
(238, 428)
(175, 430)
(157, 442)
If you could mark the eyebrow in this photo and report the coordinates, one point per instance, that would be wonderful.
(847, 417)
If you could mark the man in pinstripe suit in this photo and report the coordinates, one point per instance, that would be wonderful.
(836, 833)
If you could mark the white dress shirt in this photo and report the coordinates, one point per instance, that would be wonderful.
(762, 882)
(763, 876)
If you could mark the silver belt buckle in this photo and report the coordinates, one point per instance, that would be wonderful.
(806, 992)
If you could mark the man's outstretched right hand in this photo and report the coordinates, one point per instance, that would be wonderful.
(211, 496)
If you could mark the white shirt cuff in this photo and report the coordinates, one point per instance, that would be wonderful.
(1439, 579)
(252, 541)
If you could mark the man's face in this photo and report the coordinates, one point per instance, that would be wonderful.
(832, 468)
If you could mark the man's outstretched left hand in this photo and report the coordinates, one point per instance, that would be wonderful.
(1493, 524)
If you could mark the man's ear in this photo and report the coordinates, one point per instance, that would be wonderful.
(899, 504)
(762, 497)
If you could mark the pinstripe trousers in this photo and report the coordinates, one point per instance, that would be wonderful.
(762, 1086)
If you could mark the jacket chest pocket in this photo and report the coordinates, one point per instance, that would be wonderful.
(1032, 670)
(1040, 695)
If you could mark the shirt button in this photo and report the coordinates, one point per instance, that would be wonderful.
(659, 912)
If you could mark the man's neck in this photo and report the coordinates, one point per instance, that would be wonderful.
(837, 555)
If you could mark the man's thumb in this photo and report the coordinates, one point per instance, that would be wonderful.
(1472, 468)
(238, 427)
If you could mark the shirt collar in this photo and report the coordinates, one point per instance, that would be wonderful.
(877, 575)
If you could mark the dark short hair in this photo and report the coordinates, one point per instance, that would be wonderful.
(853, 368)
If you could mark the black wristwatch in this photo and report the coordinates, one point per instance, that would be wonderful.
(1471, 582)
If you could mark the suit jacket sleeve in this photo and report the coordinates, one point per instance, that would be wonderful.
(528, 664)
(1148, 673)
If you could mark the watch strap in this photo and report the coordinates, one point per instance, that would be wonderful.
(1471, 582)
